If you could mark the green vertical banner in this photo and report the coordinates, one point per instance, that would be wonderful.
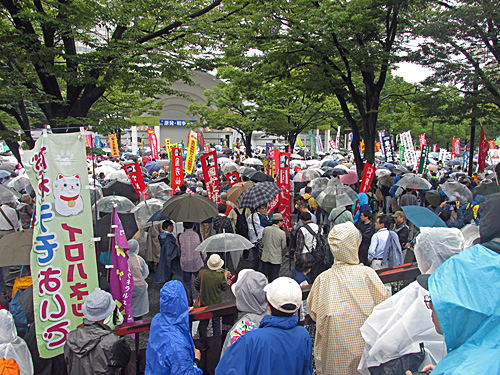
(423, 158)
(401, 154)
(63, 256)
(312, 142)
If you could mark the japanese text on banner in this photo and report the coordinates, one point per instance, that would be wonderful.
(134, 174)
(211, 175)
(284, 184)
(113, 145)
(233, 178)
(366, 180)
(63, 262)
(191, 152)
(153, 144)
(176, 172)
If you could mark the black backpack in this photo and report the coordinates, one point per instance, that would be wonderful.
(321, 251)
(241, 226)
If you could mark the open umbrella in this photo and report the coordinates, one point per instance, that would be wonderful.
(157, 216)
(18, 183)
(151, 167)
(296, 156)
(389, 166)
(258, 194)
(386, 180)
(297, 163)
(350, 178)
(422, 217)
(334, 172)
(103, 227)
(8, 195)
(382, 172)
(414, 182)
(455, 191)
(235, 191)
(319, 183)
(8, 166)
(226, 243)
(329, 163)
(253, 161)
(4, 174)
(245, 171)
(121, 188)
(454, 162)
(229, 167)
(117, 175)
(259, 176)
(486, 188)
(95, 193)
(307, 175)
(15, 248)
(163, 163)
(122, 204)
(433, 197)
(145, 209)
(399, 170)
(335, 196)
(159, 191)
(189, 208)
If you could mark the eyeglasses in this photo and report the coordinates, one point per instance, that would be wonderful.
(427, 301)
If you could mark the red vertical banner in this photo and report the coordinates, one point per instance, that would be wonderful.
(153, 144)
(211, 175)
(456, 145)
(239, 155)
(434, 148)
(492, 145)
(421, 140)
(284, 184)
(200, 140)
(483, 151)
(366, 181)
(134, 174)
(177, 174)
(233, 178)
(275, 153)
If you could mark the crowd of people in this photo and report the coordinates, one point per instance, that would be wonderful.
(445, 322)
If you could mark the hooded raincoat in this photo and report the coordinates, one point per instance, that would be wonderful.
(12, 346)
(464, 292)
(140, 271)
(169, 258)
(94, 346)
(398, 325)
(340, 300)
(278, 347)
(250, 299)
(170, 349)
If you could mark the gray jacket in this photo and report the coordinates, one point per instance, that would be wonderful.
(273, 241)
(94, 349)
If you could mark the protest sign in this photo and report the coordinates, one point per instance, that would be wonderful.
(176, 172)
(366, 180)
(211, 175)
(153, 144)
(134, 173)
(284, 184)
(191, 153)
(233, 178)
(113, 145)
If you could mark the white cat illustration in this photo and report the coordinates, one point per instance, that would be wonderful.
(67, 197)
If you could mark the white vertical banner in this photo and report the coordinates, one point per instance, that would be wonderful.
(337, 140)
(327, 139)
(157, 132)
(134, 140)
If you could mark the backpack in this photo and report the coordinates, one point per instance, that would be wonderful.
(321, 251)
(241, 226)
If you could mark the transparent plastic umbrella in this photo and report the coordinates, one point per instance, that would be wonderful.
(18, 183)
(307, 175)
(382, 172)
(117, 175)
(95, 193)
(297, 163)
(335, 196)
(159, 191)
(145, 209)
(229, 167)
(313, 163)
(8, 195)
(226, 243)
(455, 191)
(245, 171)
(415, 182)
(222, 161)
(319, 183)
(122, 204)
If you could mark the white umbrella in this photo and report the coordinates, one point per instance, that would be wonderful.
(226, 243)
(222, 161)
(18, 183)
(230, 167)
(252, 161)
(117, 175)
(297, 163)
(145, 209)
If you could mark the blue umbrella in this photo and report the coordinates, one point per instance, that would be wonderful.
(157, 216)
(4, 174)
(389, 166)
(330, 163)
(423, 217)
(151, 167)
(454, 162)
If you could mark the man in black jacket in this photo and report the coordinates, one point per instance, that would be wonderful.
(367, 229)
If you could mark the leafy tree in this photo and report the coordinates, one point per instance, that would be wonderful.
(64, 55)
(342, 48)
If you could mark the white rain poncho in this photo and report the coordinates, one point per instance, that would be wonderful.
(12, 346)
(398, 325)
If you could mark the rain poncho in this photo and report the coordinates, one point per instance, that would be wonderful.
(169, 258)
(362, 205)
(12, 346)
(398, 325)
(464, 292)
(340, 300)
(140, 270)
(250, 299)
(170, 347)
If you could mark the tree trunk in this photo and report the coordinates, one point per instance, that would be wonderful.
(292, 138)
(248, 144)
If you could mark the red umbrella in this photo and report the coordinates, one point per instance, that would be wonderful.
(350, 178)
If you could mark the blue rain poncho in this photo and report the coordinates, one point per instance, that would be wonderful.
(170, 349)
(464, 292)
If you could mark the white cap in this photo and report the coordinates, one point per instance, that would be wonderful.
(283, 291)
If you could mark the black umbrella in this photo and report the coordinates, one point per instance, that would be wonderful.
(259, 176)
(124, 189)
(334, 172)
(486, 188)
(103, 227)
(158, 180)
